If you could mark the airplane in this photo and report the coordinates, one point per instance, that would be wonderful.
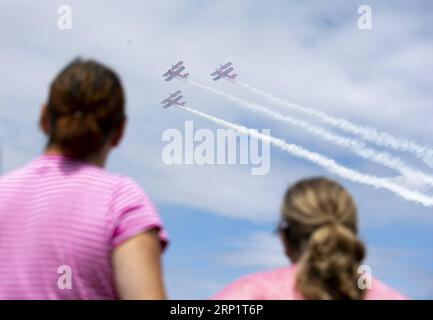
(173, 99)
(224, 72)
(175, 72)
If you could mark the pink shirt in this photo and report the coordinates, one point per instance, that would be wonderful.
(59, 222)
(279, 284)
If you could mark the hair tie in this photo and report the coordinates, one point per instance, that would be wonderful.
(77, 114)
(330, 223)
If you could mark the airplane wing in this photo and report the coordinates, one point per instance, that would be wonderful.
(167, 105)
(178, 71)
(170, 77)
(213, 74)
(217, 78)
(178, 64)
(175, 94)
(167, 73)
(228, 64)
(175, 100)
(165, 101)
(226, 72)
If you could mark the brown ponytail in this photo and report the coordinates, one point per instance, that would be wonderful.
(320, 227)
(85, 106)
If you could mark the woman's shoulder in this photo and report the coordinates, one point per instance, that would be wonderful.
(272, 284)
(381, 291)
(50, 168)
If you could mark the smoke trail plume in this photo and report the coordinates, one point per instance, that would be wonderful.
(322, 161)
(380, 138)
(358, 147)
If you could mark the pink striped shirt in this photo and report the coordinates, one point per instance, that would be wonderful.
(59, 221)
(279, 284)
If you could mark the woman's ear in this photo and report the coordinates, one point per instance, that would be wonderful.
(288, 247)
(44, 122)
(118, 134)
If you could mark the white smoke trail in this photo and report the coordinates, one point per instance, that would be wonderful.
(358, 147)
(322, 161)
(384, 139)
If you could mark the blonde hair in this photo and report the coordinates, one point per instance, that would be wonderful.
(320, 226)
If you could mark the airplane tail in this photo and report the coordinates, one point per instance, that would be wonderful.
(185, 75)
(233, 77)
(182, 103)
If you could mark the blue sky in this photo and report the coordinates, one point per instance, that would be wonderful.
(220, 218)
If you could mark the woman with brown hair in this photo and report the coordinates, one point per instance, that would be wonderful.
(319, 231)
(68, 228)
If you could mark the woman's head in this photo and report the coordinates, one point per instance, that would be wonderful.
(319, 227)
(85, 112)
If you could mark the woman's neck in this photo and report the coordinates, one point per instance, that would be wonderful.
(96, 159)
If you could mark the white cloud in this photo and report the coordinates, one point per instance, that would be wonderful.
(414, 182)
(259, 251)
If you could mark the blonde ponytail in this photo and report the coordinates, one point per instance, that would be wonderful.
(321, 226)
(328, 268)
